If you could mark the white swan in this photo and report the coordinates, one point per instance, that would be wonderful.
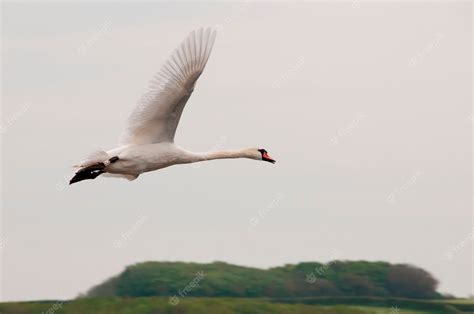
(147, 144)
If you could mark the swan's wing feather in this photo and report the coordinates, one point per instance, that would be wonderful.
(93, 158)
(157, 115)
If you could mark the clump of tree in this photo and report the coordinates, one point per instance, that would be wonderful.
(412, 282)
(337, 278)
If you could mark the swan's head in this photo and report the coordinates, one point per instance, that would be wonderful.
(263, 155)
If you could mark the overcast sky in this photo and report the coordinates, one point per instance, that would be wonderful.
(366, 108)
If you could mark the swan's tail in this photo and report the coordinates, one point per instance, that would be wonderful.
(90, 172)
(92, 167)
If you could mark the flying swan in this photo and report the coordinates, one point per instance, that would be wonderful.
(147, 143)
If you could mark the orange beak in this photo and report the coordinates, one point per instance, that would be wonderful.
(267, 157)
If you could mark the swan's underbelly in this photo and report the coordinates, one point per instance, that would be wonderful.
(136, 166)
(144, 158)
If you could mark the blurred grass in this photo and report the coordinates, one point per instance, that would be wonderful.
(200, 305)
(384, 310)
(458, 301)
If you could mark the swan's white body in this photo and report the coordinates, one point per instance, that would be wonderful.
(147, 144)
(137, 159)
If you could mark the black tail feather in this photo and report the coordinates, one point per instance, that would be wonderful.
(91, 172)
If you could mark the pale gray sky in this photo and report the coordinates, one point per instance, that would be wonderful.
(366, 107)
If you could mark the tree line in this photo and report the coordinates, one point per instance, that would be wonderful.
(309, 279)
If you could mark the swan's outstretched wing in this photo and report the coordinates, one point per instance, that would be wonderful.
(157, 115)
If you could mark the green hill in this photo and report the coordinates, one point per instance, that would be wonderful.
(312, 279)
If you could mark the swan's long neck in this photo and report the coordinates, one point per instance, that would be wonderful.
(223, 154)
